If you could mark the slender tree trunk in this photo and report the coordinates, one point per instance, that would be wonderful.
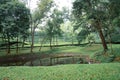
(32, 43)
(53, 41)
(72, 40)
(50, 43)
(32, 37)
(79, 42)
(44, 39)
(23, 42)
(102, 36)
(110, 44)
(32, 34)
(56, 41)
(8, 44)
(3, 38)
(5, 42)
(17, 46)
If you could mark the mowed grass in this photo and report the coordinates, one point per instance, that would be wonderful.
(107, 71)
(64, 49)
(89, 50)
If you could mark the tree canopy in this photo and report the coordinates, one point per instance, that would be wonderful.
(14, 18)
(97, 14)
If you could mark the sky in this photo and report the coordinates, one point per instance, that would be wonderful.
(60, 3)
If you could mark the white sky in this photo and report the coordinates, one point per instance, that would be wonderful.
(60, 3)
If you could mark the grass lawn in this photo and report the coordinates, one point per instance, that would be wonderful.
(89, 50)
(106, 71)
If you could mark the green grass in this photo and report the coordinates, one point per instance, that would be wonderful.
(63, 72)
(89, 50)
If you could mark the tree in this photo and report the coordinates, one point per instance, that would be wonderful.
(104, 15)
(92, 12)
(14, 19)
(53, 25)
(37, 16)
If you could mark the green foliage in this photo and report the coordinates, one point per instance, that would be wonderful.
(38, 16)
(109, 56)
(42, 10)
(63, 72)
(53, 29)
(104, 58)
(115, 38)
(114, 9)
(98, 15)
(54, 24)
(82, 35)
(14, 18)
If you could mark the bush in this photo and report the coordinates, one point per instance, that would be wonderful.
(104, 57)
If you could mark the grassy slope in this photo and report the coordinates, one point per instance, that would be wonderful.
(90, 50)
(65, 49)
(63, 72)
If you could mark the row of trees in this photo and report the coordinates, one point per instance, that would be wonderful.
(49, 18)
(14, 21)
(17, 21)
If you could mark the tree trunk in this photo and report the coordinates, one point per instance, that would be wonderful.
(3, 38)
(44, 39)
(56, 41)
(17, 46)
(103, 40)
(110, 43)
(5, 41)
(72, 40)
(8, 44)
(53, 40)
(32, 37)
(23, 42)
(78, 42)
(102, 36)
(50, 43)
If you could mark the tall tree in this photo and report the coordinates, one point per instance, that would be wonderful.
(104, 15)
(37, 16)
(91, 11)
(53, 25)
